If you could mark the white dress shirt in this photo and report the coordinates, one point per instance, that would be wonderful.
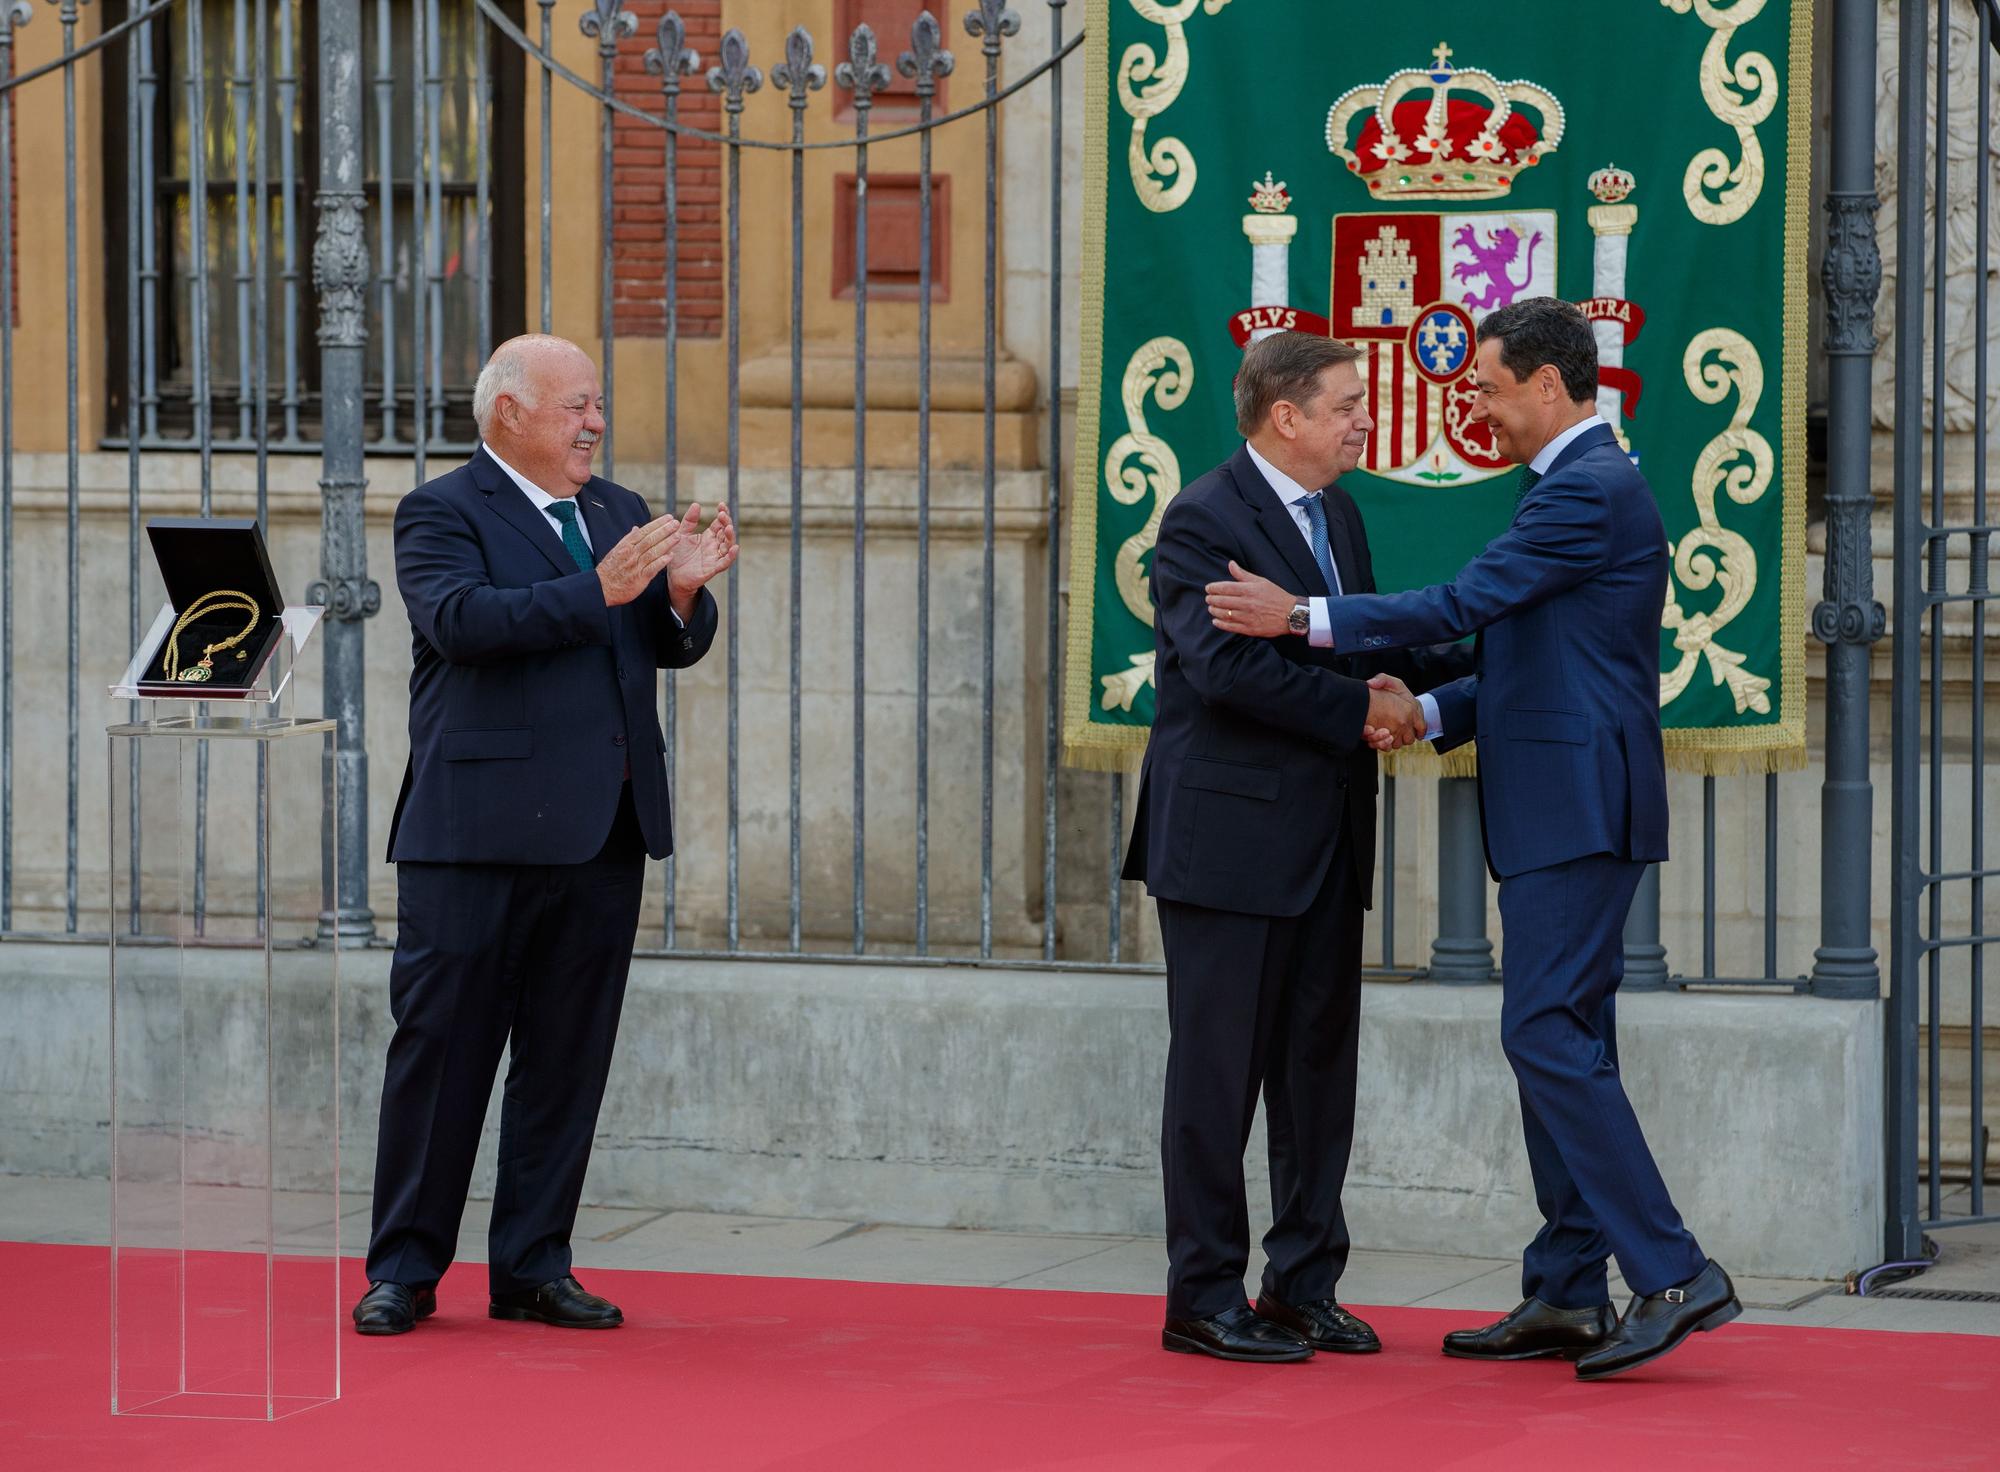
(1294, 495)
(542, 499)
(1547, 457)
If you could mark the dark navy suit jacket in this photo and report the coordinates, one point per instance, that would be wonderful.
(529, 695)
(1255, 769)
(1565, 700)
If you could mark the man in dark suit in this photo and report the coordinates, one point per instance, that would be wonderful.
(542, 601)
(1255, 832)
(1565, 704)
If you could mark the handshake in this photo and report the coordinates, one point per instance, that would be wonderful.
(1394, 717)
(1258, 607)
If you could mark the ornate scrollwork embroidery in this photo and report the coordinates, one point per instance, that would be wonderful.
(1163, 370)
(1742, 106)
(1739, 460)
(1164, 175)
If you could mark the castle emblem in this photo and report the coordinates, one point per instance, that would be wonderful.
(1410, 290)
(1468, 140)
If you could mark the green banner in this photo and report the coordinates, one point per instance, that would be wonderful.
(1389, 176)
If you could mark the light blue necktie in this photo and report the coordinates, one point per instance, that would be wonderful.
(1322, 552)
(572, 535)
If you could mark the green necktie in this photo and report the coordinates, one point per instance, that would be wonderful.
(1529, 480)
(579, 550)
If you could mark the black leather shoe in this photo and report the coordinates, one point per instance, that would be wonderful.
(1322, 1323)
(1533, 1330)
(1235, 1334)
(393, 1308)
(563, 1303)
(1657, 1322)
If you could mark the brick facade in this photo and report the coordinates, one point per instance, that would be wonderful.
(638, 184)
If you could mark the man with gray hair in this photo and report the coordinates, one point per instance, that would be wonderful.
(542, 601)
(1255, 832)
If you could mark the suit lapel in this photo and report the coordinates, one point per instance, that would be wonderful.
(1275, 520)
(597, 521)
(514, 507)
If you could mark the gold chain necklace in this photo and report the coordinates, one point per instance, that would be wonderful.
(208, 603)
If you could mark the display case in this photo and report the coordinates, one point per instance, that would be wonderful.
(226, 1299)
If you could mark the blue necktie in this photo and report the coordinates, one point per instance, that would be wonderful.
(573, 542)
(1322, 552)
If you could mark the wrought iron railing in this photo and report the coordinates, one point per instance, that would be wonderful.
(362, 394)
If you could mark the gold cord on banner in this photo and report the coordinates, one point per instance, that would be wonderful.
(220, 601)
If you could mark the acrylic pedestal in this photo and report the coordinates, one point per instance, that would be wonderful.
(225, 1066)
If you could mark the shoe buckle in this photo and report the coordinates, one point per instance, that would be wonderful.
(1675, 1295)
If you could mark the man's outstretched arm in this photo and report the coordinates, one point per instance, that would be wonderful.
(1556, 542)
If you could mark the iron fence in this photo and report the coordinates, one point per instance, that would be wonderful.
(1944, 534)
(394, 340)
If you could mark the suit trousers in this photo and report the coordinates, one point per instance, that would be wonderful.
(530, 958)
(1595, 1181)
(1272, 1004)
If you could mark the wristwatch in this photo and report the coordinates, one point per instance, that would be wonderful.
(1299, 621)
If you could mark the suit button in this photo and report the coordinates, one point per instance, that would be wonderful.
(617, 740)
(621, 674)
(1340, 782)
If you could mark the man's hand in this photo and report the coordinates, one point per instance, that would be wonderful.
(641, 555)
(1394, 717)
(698, 558)
(1250, 605)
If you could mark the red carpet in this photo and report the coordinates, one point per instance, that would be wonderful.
(715, 1372)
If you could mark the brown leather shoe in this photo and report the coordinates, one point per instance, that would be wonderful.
(1533, 1330)
(1322, 1323)
(563, 1303)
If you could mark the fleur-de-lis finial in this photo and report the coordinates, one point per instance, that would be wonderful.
(798, 73)
(608, 20)
(670, 59)
(735, 79)
(863, 72)
(991, 21)
(926, 60)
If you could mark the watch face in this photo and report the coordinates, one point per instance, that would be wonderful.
(1300, 621)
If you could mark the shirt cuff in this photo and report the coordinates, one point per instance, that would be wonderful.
(1321, 635)
(1433, 726)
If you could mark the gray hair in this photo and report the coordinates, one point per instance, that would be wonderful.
(1285, 365)
(506, 372)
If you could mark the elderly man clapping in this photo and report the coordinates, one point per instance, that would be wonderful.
(542, 601)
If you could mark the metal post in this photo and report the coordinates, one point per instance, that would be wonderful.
(925, 62)
(670, 60)
(1645, 957)
(340, 276)
(800, 76)
(1461, 955)
(1849, 620)
(1903, 1237)
(863, 76)
(990, 22)
(606, 22)
(735, 79)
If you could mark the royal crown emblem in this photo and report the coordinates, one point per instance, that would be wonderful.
(1469, 140)
(1612, 185)
(1270, 197)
